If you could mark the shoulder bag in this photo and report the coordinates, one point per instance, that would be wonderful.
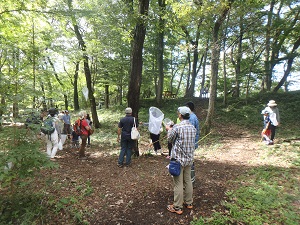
(135, 135)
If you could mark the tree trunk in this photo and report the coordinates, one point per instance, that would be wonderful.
(60, 83)
(106, 96)
(268, 69)
(75, 85)
(137, 61)
(215, 55)
(191, 88)
(224, 71)
(160, 52)
(86, 68)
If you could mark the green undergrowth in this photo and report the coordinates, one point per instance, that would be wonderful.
(265, 195)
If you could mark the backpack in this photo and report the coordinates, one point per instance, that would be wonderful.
(77, 127)
(47, 126)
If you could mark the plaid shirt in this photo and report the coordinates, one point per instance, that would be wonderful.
(182, 136)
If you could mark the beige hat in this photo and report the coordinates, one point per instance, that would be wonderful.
(184, 110)
(128, 110)
(272, 103)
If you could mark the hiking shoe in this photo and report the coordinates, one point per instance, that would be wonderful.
(173, 209)
(189, 206)
(83, 158)
(120, 165)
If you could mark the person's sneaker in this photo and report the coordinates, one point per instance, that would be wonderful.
(271, 143)
(83, 158)
(173, 209)
(120, 165)
(189, 206)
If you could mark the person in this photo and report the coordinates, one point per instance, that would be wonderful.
(266, 132)
(155, 142)
(84, 127)
(67, 123)
(124, 137)
(75, 139)
(274, 118)
(88, 119)
(169, 127)
(155, 128)
(60, 124)
(52, 139)
(154, 139)
(183, 136)
(195, 122)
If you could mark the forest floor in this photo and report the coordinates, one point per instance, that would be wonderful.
(139, 194)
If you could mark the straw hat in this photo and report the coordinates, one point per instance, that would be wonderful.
(272, 103)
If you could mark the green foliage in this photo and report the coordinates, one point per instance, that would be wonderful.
(21, 148)
(22, 208)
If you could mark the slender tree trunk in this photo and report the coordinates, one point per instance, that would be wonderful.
(106, 96)
(268, 65)
(224, 72)
(214, 67)
(160, 53)
(204, 64)
(60, 83)
(75, 87)
(191, 88)
(86, 67)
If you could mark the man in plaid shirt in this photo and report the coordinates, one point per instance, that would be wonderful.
(182, 136)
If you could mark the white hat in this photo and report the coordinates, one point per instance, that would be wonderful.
(82, 114)
(184, 110)
(128, 110)
(272, 103)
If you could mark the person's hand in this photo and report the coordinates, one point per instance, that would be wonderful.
(118, 139)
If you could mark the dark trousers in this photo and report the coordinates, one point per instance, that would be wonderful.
(155, 141)
(273, 131)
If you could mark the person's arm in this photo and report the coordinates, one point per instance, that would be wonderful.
(119, 133)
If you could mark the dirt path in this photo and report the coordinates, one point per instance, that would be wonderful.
(139, 194)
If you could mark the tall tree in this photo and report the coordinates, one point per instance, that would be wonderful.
(86, 67)
(137, 57)
(215, 56)
(160, 52)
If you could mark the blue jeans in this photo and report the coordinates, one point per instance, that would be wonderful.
(126, 148)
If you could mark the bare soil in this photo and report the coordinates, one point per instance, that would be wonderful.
(140, 193)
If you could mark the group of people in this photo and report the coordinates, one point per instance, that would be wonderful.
(61, 129)
(183, 139)
(271, 120)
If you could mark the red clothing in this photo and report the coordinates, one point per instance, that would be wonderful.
(84, 124)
